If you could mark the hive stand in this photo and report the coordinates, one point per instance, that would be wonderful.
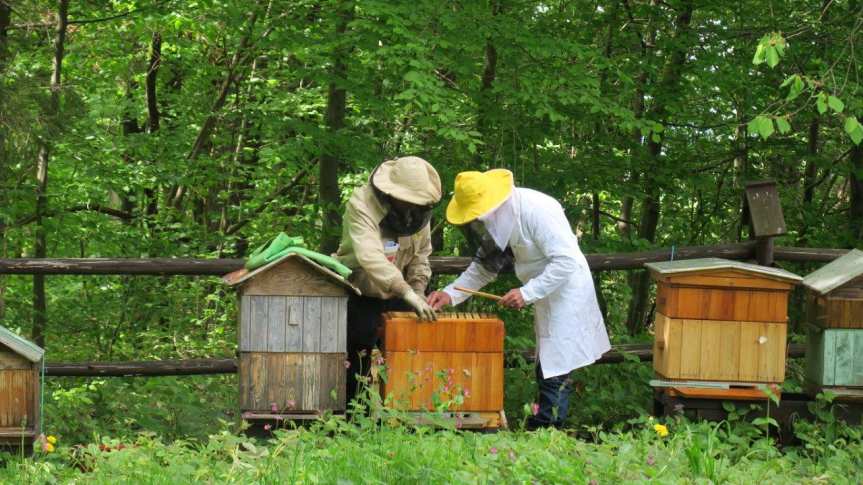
(292, 340)
(834, 356)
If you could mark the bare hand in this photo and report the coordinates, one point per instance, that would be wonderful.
(513, 299)
(439, 299)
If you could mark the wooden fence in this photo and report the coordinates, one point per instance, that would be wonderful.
(440, 265)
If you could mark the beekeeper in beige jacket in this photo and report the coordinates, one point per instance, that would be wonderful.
(386, 241)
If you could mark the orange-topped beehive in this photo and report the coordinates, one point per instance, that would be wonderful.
(455, 362)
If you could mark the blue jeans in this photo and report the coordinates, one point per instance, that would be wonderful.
(553, 400)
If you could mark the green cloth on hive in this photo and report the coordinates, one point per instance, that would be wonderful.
(283, 245)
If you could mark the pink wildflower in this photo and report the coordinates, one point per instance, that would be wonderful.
(493, 450)
(274, 407)
(465, 393)
(268, 427)
(534, 408)
(291, 404)
(347, 364)
(379, 360)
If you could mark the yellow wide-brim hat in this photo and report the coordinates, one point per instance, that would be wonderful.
(477, 194)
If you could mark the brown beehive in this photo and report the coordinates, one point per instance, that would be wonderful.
(20, 367)
(431, 363)
(292, 339)
(834, 356)
(720, 320)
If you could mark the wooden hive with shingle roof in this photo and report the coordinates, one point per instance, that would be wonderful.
(835, 315)
(20, 372)
(720, 320)
(292, 339)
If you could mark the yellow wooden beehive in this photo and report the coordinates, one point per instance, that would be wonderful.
(720, 320)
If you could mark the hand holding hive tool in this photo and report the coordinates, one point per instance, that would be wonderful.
(479, 293)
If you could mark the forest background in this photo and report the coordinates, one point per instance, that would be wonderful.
(168, 128)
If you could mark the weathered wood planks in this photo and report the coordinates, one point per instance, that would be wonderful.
(835, 357)
(293, 323)
(292, 382)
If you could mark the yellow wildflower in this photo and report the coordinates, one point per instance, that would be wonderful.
(661, 430)
(49, 448)
(51, 439)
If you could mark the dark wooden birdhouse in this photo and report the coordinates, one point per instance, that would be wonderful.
(720, 320)
(20, 371)
(835, 315)
(292, 339)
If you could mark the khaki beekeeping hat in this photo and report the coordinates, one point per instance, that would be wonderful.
(478, 193)
(409, 179)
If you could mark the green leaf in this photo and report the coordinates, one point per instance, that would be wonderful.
(795, 88)
(772, 57)
(761, 125)
(836, 104)
(821, 103)
(782, 125)
(854, 129)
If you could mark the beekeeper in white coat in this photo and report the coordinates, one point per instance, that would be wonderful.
(528, 228)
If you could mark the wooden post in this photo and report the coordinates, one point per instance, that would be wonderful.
(764, 251)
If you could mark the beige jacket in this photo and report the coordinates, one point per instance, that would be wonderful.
(362, 250)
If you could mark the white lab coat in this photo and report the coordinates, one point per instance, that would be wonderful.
(570, 332)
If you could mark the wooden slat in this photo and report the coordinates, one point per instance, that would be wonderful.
(294, 327)
(711, 349)
(342, 342)
(729, 351)
(690, 355)
(277, 385)
(749, 351)
(293, 381)
(843, 357)
(815, 357)
(311, 381)
(311, 324)
(727, 279)
(842, 312)
(775, 355)
(276, 324)
(329, 324)
(16, 398)
(245, 323)
(258, 327)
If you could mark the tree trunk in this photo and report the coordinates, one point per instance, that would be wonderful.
(855, 210)
(240, 57)
(809, 177)
(485, 101)
(650, 204)
(329, 196)
(45, 144)
(153, 116)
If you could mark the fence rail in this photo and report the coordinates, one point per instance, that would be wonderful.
(439, 264)
(151, 368)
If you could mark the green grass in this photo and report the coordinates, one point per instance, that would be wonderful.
(337, 452)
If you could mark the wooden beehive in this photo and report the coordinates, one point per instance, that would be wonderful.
(835, 315)
(292, 339)
(429, 363)
(720, 320)
(20, 366)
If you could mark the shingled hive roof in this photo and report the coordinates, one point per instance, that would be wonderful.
(703, 265)
(20, 345)
(836, 273)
